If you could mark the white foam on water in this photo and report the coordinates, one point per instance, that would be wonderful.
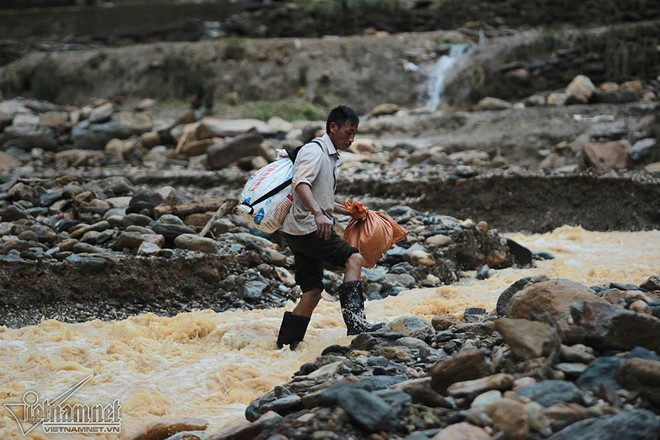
(211, 365)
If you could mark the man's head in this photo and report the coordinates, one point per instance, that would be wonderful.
(342, 126)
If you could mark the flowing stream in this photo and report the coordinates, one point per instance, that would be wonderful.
(211, 365)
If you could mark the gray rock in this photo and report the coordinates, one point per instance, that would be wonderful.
(551, 392)
(605, 326)
(27, 137)
(411, 326)
(254, 289)
(88, 263)
(128, 240)
(643, 149)
(122, 125)
(170, 219)
(220, 155)
(612, 130)
(170, 231)
(12, 213)
(86, 248)
(137, 220)
(638, 424)
(102, 113)
(114, 186)
(194, 242)
(602, 371)
(404, 279)
(368, 410)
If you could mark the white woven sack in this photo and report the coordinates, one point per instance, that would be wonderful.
(269, 214)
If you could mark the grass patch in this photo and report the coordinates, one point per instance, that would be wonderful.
(289, 109)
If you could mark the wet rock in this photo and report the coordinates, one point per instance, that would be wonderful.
(136, 219)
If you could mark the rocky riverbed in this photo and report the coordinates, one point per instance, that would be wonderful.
(560, 360)
(95, 196)
(109, 211)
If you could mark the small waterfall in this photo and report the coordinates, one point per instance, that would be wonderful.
(436, 81)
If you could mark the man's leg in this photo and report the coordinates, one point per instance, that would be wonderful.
(308, 302)
(351, 298)
(309, 276)
(353, 268)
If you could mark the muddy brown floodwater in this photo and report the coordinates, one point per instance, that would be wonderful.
(211, 365)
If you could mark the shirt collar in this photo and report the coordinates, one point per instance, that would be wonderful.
(328, 144)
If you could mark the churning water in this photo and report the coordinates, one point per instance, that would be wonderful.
(211, 365)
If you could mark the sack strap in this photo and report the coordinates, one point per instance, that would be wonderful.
(292, 155)
(269, 194)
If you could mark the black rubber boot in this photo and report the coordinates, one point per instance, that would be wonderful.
(351, 299)
(292, 330)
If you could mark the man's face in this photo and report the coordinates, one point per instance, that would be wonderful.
(342, 137)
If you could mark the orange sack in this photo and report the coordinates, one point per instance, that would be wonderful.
(371, 232)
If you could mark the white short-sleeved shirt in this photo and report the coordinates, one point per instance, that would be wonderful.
(315, 166)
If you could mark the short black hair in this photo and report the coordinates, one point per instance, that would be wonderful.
(340, 115)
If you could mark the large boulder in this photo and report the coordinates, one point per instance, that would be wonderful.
(553, 296)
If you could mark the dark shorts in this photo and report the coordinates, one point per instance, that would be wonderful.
(311, 252)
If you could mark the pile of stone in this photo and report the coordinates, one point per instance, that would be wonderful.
(610, 144)
(564, 361)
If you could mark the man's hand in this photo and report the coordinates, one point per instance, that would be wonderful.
(323, 225)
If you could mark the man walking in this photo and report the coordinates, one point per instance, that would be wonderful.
(309, 231)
